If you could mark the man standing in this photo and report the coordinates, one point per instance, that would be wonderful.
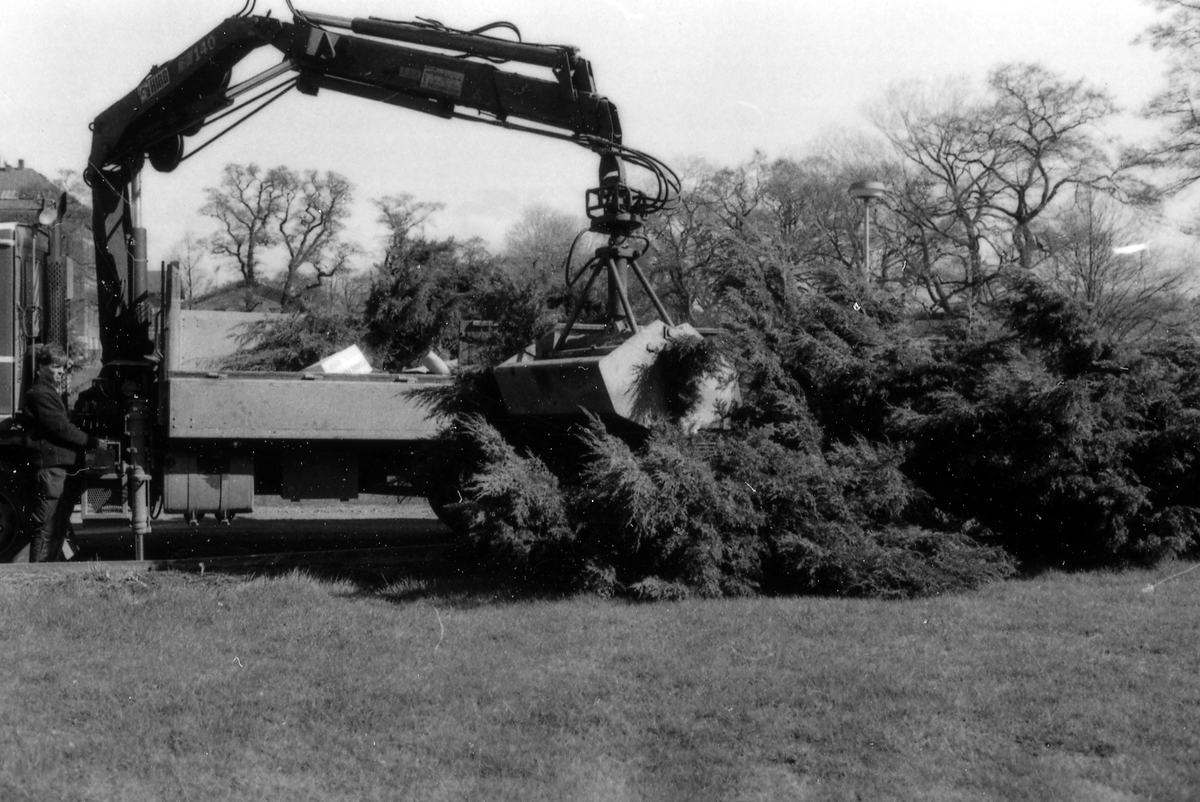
(57, 455)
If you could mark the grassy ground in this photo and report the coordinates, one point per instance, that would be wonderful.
(162, 687)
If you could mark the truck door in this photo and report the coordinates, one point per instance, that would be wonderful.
(22, 256)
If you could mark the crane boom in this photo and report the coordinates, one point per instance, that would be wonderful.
(195, 441)
(381, 60)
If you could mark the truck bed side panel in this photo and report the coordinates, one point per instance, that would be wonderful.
(292, 407)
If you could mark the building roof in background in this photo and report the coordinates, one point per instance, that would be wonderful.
(241, 297)
(23, 194)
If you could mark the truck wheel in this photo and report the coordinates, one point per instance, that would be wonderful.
(13, 534)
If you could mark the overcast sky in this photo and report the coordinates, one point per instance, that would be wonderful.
(709, 78)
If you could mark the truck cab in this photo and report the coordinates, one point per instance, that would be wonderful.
(24, 259)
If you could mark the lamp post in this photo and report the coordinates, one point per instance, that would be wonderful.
(867, 191)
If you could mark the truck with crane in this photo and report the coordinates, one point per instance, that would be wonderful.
(190, 439)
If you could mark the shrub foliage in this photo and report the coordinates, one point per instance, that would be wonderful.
(865, 460)
(294, 341)
(675, 517)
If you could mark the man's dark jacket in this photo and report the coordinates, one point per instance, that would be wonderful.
(57, 441)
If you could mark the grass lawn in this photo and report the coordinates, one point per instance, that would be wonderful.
(166, 686)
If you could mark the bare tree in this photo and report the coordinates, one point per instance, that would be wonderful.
(1098, 254)
(981, 169)
(943, 192)
(738, 192)
(309, 218)
(246, 204)
(730, 232)
(403, 217)
(1177, 151)
(686, 245)
(723, 217)
(793, 214)
(818, 226)
(189, 253)
(538, 243)
(345, 292)
(1044, 130)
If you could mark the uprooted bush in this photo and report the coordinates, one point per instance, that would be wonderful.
(292, 342)
(660, 517)
(680, 368)
(677, 516)
(516, 519)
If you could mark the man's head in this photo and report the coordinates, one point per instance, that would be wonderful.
(52, 361)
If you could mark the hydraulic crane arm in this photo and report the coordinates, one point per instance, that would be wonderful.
(437, 83)
(416, 65)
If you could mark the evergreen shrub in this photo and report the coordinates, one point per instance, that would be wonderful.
(293, 342)
(677, 517)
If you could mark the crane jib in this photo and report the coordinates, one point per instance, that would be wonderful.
(361, 57)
